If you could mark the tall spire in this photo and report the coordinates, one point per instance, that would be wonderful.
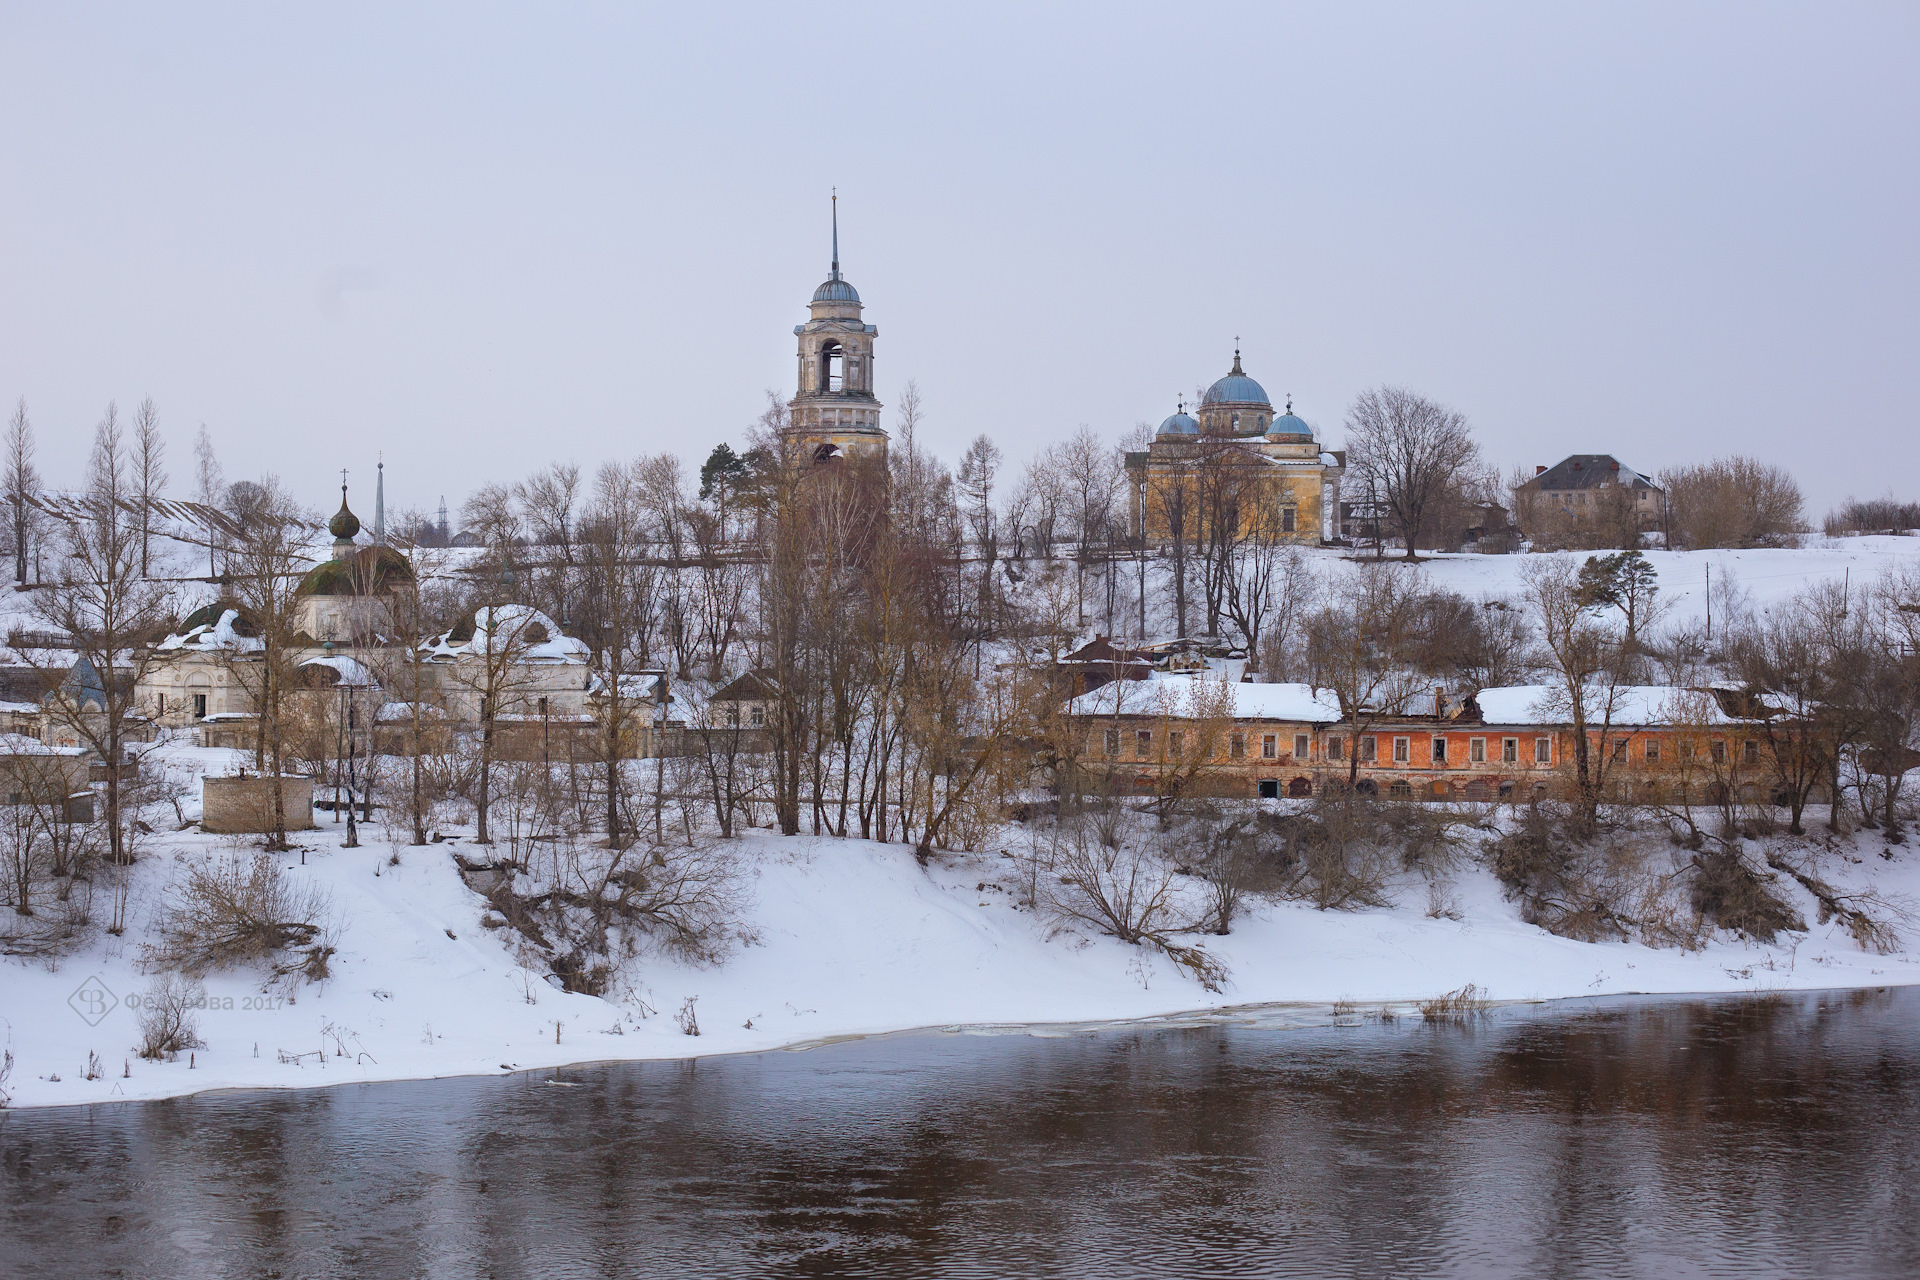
(836, 235)
(380, 506)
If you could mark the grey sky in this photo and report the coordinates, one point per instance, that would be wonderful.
(482, 240)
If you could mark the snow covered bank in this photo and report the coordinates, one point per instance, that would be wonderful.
(851, 938)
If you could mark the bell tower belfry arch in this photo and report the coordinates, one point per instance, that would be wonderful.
(833, 412)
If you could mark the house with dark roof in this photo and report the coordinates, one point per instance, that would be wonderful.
(1594, 488)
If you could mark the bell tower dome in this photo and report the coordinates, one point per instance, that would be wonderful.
(833, 412)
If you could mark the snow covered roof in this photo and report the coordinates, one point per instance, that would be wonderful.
(395, 712)
(349, 670)
(1630, 705)
(220, 635)
(508, 628)
(1174, 695)
(19, 744)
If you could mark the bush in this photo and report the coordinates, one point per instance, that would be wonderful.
(1570, 884)
(238, 913)
(166, 1021)
(1734, 896)
(1732, 502)
(1880, 515)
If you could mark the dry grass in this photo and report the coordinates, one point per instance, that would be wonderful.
(1467, 1003)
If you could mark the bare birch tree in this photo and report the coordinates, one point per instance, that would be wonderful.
(1408, 452)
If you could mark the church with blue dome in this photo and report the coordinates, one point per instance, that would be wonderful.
(1281, 481)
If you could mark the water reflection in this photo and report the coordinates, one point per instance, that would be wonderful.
(1772, 1136)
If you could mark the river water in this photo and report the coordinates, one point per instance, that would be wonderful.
(1772, 1136)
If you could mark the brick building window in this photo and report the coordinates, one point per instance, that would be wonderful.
(1113, 742)
(1510, 750)
(1143, 743)
(1237, 746)
(1175, 738)
(1369, 749)
(1620, 750)
(1439, 752)
(1653, 751)
(1543, 750)
(1719, 751)
(1402, 750)
(1336, 748)
(1270, 746)
(1750, 750)
(1301, 747)
(1477, 750)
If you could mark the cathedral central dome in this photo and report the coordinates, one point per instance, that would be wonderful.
(1236, 388)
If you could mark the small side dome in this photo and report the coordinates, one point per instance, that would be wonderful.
(344, 525)
(1180, 424)
(1288, 425)
(836, 290)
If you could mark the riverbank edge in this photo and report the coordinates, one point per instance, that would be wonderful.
(1331, 1014)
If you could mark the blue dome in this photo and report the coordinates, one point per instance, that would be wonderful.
(1236, 388)
(1288, 425)
(836, 290)
(1180, 424)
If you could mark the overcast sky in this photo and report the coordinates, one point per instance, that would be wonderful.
(485, 239)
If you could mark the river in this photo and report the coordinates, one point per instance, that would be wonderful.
(1752, 1137)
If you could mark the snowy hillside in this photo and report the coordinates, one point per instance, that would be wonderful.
(844, 938)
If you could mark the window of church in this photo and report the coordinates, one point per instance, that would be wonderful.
(1287, 519)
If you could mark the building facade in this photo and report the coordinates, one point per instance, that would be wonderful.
(1649, 744)
(1237, 461)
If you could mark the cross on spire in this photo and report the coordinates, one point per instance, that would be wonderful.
(836, 233)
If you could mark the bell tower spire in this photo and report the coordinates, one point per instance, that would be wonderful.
(834, 412)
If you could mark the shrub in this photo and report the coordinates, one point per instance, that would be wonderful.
(1878, 515)
(1734, 896)
(1732, 502)
(246, 912)
(166, 1021)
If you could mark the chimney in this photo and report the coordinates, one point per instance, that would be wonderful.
(1539, 470)
(1616, 466)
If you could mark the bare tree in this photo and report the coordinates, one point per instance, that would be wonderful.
(1357, 647)
(267, 561)
(209, 487)
(112, 614)
(1582, 658)
(149, 469)
(492, 515)
(1409, 451)
(22, 483)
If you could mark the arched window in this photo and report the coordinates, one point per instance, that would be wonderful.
(833, 368)
(1236, 422)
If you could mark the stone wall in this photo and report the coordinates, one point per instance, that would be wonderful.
(244, 805)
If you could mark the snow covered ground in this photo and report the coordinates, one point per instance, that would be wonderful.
(850, 938)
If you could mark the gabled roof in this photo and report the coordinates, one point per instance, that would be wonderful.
(1588, 471)
(752, 686)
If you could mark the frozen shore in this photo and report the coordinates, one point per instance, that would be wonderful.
(848, 939)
